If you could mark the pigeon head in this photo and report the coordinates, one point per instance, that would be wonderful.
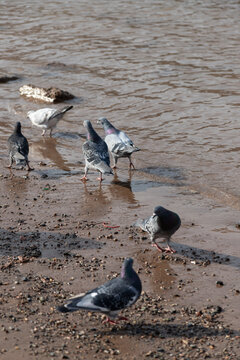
(17, 128)
(29, 113)
(127, 267)
(108, 127)
(169, 220)
(159, 210)
(91, 133)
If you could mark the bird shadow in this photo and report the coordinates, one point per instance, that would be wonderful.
(189, 330)
(69, 135)
(170, 174)
(46, 148)
(122, 189)
(197, 254)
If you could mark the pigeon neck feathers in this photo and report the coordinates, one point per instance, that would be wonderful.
(128, 274)
(91, 133)
(17, 129)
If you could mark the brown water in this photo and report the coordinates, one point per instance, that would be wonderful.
(166, 72)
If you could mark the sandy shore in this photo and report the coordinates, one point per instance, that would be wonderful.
(53, 245)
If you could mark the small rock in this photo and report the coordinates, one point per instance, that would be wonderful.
(50, 95)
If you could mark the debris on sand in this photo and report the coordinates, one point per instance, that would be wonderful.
(50, 95)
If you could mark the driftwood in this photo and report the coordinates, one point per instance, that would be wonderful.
(50, 95)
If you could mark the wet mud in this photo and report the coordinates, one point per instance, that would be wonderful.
(55, 242)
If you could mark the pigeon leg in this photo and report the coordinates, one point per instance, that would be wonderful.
(158, 247)
(100, 178)
(84, 178)
(50, 134)
(28, 167)
(114, 162)
(108, 320)
(10, 162)
(131, 164)
(43, 133)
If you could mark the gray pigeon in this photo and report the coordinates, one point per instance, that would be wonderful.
(162, 224)
(18, 148)
(111, 297)
(95, 152)
(47, 118)
(118, 143)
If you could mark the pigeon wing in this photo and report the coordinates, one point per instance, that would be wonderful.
(41, 116)
(112, 296)
(97, 156)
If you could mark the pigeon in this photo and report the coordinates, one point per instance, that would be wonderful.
(95, 152)
(47, 118)
(111, 297)
(118, 142)
(18, 148)
(162, 224)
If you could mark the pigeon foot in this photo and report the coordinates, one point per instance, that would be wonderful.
(84, 179)
(169, 250)
(158, 247)
(108, 320)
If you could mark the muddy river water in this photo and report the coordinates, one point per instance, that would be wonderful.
(166, 72)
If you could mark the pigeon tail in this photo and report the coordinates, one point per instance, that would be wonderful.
(60, 112)
(140, 223)
(66, 108)
(64, 309)
(131, 149)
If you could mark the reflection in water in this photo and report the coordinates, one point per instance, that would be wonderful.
(122, 190)
(46, 149)
(16, 186)
(95, 199)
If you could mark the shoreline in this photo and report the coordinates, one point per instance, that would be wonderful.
(53, 245)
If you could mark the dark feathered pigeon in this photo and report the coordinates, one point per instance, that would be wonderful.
(95, 152)
(118, 142)
(47, 118)
(162, 224)
(18, 148)
(111, 297)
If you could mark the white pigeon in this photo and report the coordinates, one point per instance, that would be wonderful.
(118, 142)
(47, 118)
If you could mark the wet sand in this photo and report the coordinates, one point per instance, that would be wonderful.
(54, 245)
